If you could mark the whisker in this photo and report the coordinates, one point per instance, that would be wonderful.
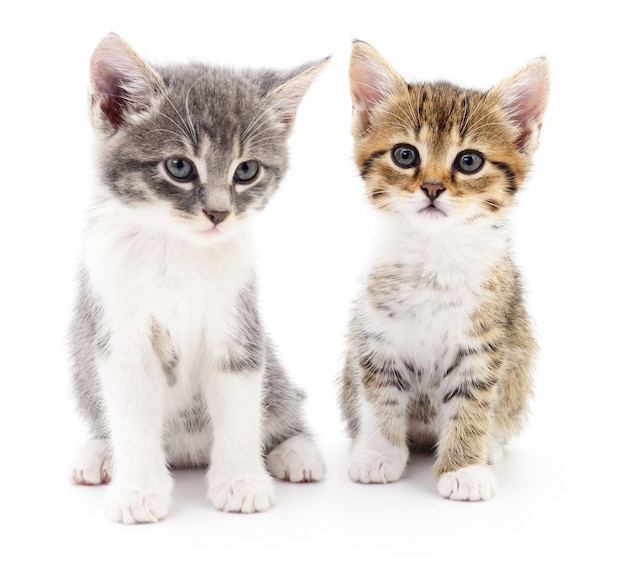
(252, 125)
(265, 115)
(488, 136)
(185, 135)
(402, 122)
(477, 107)
(260, 132)
(190, 124)
(415, 111)
(178, 138)
(480, 122)
(264, 141)
(407, 120)
(169, 100)
(464, 117)
(490, 203)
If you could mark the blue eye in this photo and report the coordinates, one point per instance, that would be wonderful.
(469, 161)
(247, 171)
(405, 156)
(180, 169)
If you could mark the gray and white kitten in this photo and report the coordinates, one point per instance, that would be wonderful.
(171, 365)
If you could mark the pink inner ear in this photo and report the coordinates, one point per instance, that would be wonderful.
(368, 85)
(525, 102)
(108, 94)
(120, 81)
(527, 105)
(102, 78)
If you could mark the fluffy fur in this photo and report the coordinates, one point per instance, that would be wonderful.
(171, 364)
(440, 348)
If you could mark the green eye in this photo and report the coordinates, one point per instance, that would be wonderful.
(180, 169)
(247, 171)
(469, 161)
(405, 156)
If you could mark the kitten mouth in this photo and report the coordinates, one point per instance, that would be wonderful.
(432, 210)
(207, 231)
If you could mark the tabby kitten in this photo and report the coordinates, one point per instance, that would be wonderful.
(171, 364)
(440, 348)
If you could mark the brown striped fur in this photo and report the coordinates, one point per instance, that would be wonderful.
(440, 348)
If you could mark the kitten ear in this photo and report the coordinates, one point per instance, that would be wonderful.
(524, 97)
(372, 81)
(286, 98)
(122, 84)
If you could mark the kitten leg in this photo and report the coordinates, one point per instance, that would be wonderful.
(296, 459)
(92, 465)
(237, 478)
(134, 387)
(380, 452)
(494, 451)
(462, 452)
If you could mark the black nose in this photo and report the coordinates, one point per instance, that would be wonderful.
(216, 216)
(432, 190)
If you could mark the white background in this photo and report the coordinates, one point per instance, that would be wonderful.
(561, 497)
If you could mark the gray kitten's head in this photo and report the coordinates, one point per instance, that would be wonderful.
(191, 149)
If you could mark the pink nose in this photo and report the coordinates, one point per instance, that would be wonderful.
(432, 190)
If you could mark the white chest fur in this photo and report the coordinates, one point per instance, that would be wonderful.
(144, 275)
(424, 287)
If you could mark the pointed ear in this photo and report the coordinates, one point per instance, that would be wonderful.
(286, 98)
(372, 81)
(122, 84)
(524, 97)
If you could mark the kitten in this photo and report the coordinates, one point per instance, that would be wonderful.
(171, 364)
(440, 348)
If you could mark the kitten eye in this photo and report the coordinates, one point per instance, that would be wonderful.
(405, 156)
(180, 169)
(247, 171)
(469, 161)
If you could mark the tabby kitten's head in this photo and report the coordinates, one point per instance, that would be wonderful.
(438, 154)
(191, 149)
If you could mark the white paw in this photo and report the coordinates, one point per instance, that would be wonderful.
(93, 463)
(296, 459)
(473, 483)
(133, 505)
(369, 466)
(242, 494)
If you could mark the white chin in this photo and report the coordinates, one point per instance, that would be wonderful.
(208, 237)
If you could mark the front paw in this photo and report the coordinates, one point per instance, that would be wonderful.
(242, 494)
(92, 465)
(297, 460)
(472, 483)
(136, 505)
(368, 466)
